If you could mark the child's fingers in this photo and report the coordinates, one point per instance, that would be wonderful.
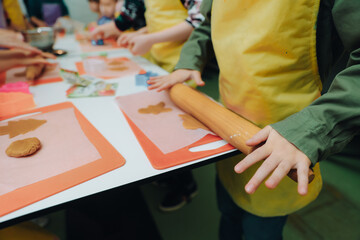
(280, 172)
(164, 86)
(118, 41)
(154, 79)
(197, 78)
(48, 55)
(122, 40)
(160, 86)
(259, 137)
(35, 61)
(260, 175)
(259, 154)
(154, 86)
(303, 178)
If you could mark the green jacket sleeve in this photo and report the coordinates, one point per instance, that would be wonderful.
(198, 49)
(64, 9)
(330, 122)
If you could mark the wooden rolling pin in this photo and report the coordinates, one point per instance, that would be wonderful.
(228, 125)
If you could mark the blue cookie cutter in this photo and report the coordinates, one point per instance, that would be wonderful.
(141, 79)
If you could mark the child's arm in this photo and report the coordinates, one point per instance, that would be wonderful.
(38, 22)
(178, 33)
(179, 76)
(125, 38)
(194, 55)
(104, 31)
(6, 64)
(142, 44)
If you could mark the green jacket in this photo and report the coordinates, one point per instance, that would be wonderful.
(329, 123)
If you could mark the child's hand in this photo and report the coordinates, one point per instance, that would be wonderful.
(179, 76)
(280, 157)
(124, 39)
(105, 31)
(23, 53)
(140, 44)
(6, 64)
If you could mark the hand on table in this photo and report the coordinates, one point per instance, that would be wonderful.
(179, 76)
(6, 63)
(23, 53)
(280, 156)
(11, 35)
(104, 31)
(140, 44)
(18, 44)
(125, 38)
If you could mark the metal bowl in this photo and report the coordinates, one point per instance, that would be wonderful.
(42, 38)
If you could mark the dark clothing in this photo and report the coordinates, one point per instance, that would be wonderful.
(132, 15)
(236, 223)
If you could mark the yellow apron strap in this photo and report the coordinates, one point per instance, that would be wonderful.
(268, 73)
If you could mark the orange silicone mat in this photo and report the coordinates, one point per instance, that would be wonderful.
(110, 160)
(159, 160)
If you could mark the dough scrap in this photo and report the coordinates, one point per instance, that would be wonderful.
(15, 128)
(155, 109)
(23, 148)
(191, 123)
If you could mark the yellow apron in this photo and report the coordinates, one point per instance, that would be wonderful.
(267, 58)
(14, 13)
(160, 15)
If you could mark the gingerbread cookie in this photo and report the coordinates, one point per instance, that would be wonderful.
(23, 148)
(191, 123)
(155, 109)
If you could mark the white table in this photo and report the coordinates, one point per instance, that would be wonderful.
(104, 114)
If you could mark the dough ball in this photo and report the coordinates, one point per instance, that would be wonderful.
(23, 148)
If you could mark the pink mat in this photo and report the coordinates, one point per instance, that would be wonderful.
(64, 147)
(165, 130)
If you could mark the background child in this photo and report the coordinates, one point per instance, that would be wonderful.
(107, 11)
(94, 6)
(132, 16)
(168, 26)
(44, 13)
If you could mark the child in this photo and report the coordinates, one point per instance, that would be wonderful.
(107, 11)
(268, 62)
(44, 13)
(131, 16)
(169, 24)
